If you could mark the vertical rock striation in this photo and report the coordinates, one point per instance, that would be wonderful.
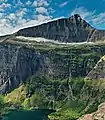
(17, 63)
(73, 29)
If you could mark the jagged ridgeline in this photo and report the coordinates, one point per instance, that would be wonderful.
(45, 66)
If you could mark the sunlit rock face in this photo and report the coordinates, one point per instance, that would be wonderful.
(73, 29)
(97, 75)
(98, 115)
(98, 72)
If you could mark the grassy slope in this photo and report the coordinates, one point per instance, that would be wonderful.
(86, 99)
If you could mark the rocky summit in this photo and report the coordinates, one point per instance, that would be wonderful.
(73, 29)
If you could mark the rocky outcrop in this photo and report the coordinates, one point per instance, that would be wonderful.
(73, 29)
(97, 35)
(98, 72)
(95, 80)
(98, 115)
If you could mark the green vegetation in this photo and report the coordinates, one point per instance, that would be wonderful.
(67, 114)
(26, 104)
(41, 92)
(2, 103)
(65, 89)
(16, 97)
(96, 84)
(70, 111)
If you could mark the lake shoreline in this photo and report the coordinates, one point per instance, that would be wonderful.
(37, 114)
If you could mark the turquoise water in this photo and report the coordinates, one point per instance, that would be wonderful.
(28, 115)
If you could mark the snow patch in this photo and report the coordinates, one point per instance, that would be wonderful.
(40, 39)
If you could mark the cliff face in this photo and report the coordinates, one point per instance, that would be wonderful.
(73, 29)
(17, 63)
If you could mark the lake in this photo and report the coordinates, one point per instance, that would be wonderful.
(28, 115)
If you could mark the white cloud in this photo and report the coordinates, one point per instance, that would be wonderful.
(5, 26)
(41, 10)
(35, 4)
(19, 3)
(12, 17)
(40, 3)
(28, 2)
(16, 18)
(1, 1)
(11, 21)
(84, 13)
(99, 19)
(63, 4)
(14, 21)
(95, 19)
(21, 12)
(4, 6)
(42, 18)
(1, 15)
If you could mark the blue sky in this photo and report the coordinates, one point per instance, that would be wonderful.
(17, 14)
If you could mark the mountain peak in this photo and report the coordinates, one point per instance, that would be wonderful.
(77, 16)
(68, 30)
